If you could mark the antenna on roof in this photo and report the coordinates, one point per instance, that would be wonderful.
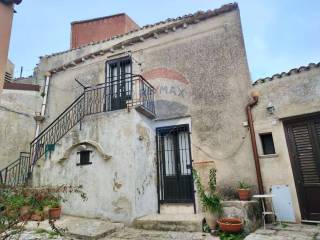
(21, 71)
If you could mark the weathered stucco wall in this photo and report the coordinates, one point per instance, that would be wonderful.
(292, 95)
(211, 86)
(120, 188)
(17, 127)
(213, 90)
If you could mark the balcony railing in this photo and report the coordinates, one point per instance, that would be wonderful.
(120, 92)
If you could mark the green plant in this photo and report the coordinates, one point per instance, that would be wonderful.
(52, 203)
(50, 234)
(13, 201)
(243, 185)
(232, 236)
(209, 199)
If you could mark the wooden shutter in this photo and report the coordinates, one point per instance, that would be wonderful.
(305, 153)
(303, 136)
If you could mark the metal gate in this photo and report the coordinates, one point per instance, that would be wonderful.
(175, 182)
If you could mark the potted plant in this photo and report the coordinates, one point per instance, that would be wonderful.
(25, 213)
(37, 215)
(244, 191)
(209, 199)
(54, 208)
(230, 225)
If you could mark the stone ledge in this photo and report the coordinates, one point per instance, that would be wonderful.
(170, 222)
(81, 228)
(248, 211)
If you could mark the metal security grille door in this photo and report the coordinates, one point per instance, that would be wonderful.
(174, 165)
(119, 83)
(303, 136)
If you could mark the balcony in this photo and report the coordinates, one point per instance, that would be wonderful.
(120, 92)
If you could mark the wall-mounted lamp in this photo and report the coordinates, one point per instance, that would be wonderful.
(270, 108)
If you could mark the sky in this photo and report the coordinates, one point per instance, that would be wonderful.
(279, 34)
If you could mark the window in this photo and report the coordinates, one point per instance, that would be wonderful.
(119, 82)
(84, 157)
(267, 143)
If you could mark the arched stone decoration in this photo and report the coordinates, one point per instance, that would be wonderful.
(93, 144)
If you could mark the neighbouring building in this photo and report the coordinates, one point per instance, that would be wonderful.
(6, 15)
(9, 73)
(287, 124)
(129, 116)
(19, 103)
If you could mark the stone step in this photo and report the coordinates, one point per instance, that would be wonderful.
(78, 227)
(173, 208)
(170, 222)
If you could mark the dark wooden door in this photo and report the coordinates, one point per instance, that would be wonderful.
(174, 155)
(119, 83)
(303, 137)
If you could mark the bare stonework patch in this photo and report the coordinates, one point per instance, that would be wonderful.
(116, 183)
(122, 205)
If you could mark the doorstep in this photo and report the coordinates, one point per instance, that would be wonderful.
(170, 222)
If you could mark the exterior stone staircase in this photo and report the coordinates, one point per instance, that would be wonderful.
(95, 99)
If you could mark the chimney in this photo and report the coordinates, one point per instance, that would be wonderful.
(94, 30)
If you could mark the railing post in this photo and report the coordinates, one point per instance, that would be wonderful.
(19, 168)
(5, 176)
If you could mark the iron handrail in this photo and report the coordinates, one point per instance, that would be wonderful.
(94, 99)
(20, 168)
(68, 108)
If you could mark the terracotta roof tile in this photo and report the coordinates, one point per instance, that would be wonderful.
(201, 15)
(284, 74)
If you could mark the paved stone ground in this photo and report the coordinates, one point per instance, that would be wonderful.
(138, 234)
(287, 232)
(126, 234)
(109, 231)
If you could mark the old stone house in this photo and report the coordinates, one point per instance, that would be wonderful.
(128, 117)
(288, 115)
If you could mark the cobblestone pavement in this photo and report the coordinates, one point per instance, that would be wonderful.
(287, 232)
(128, 234)
(138, 234)
(33, 235)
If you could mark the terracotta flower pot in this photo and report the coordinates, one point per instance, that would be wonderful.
(244, 194)
(46, 212)
(54, 213)
(230, 225)
(37, 217)
(25, 213)
(211, 220)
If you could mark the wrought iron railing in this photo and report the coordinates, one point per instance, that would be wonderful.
(117, 93)
(17, 172)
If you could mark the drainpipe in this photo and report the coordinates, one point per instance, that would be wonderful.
(250, 105)
(44, 102)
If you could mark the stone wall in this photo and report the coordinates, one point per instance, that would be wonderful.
(121, 181)
(293, 95)
(17, 128)
(248, 211)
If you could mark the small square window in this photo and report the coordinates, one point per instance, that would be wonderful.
(84, 158)
(267, 143)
